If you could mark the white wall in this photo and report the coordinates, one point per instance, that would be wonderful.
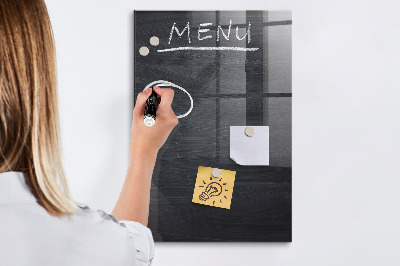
(346, 147)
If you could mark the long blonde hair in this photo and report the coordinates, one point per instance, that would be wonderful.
(29, 119)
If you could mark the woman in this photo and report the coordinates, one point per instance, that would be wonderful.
(40, 223)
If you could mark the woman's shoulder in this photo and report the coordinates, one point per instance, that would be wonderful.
(106, 227)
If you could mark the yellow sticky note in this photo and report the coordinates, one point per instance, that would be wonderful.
(212, 191)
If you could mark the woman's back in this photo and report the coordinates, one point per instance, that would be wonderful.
(30, 236)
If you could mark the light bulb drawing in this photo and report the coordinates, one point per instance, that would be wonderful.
(213, 189)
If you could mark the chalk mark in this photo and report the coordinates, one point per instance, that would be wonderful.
(164, 83)
(221, 48)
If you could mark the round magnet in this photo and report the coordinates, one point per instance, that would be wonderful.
(154, 41)
(143, 51)
(249, 131)
(216, 173)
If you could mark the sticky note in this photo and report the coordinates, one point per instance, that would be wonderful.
(214, 191)
(249, 145)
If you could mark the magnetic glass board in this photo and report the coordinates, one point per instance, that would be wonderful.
(236, 65)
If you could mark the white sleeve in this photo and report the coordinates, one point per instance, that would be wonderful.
(143, 239)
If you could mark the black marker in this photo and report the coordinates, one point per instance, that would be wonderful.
(150, 109)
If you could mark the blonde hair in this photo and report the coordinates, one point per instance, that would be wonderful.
(29, 122)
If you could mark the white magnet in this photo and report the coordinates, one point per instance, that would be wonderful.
(216, 173)
(143, 51)
(154, 40)
(249, 131)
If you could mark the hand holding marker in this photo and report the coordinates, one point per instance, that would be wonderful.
(146, 141)
(151, 103)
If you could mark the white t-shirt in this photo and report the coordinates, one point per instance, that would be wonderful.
(31, 236)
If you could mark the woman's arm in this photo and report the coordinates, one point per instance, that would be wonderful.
(134, 199)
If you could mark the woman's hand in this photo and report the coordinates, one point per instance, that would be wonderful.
(148, 140)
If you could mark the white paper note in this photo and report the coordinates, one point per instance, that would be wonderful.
(245, 150)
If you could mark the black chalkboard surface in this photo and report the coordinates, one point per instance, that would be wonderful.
(247, 84)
